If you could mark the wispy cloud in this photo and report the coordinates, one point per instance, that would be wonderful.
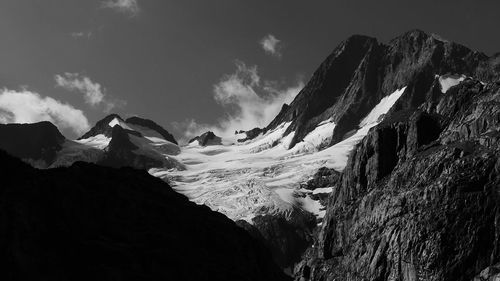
(93, 93)
(24, 106)
(82, 34)
(249, 102)
(130, 7)
(271, 45)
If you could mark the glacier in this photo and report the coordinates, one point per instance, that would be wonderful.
(263, 176)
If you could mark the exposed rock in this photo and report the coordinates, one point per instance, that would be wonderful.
(36, 143)
(250, 135)
(208, 138)
(287, 236)
(492, 273)
(88, 222)
(420, 196)
(361, 71)
(153, 126)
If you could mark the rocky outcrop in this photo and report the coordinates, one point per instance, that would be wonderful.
(361, 71)
(251, 134)
(153, 126)
(36, 143)
(206, 139)
(89, 222)
(419, 198)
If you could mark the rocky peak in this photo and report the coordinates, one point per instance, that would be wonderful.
(208, 138)
(102, 127)
(361, 71)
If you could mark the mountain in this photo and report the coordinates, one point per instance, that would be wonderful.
(207, 138)
(419, 198)
(36, 143)
(88, 222)
(136, 142)
(362, 71)
(384, 136)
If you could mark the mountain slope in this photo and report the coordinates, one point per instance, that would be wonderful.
(419, 197)
(88, 222)
(361, 71)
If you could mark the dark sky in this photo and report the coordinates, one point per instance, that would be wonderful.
(162, 59)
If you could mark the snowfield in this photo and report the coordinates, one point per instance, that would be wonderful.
(448, 81)
(243, 180)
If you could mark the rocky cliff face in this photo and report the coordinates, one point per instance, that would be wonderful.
(420, 196)
(361, 71)
(88, 222)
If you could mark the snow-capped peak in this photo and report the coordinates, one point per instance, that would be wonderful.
(120, 123)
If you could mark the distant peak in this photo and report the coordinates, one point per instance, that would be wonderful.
(102, 127)
(207, 138)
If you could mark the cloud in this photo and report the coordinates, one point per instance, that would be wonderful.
(130, 7)
(93, 92)
(271, 45)
(249, 102)
(24, 106)
(82, 34)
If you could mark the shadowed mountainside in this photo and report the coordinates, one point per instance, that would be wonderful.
(88, 222)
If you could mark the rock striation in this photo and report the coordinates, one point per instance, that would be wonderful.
(420, 196)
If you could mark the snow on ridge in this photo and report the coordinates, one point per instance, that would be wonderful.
(98, 141)
(447, 81)
(270, 139)
(382, 108)
(320, 136)
(116, 121)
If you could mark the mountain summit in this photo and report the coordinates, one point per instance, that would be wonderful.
(361, 71)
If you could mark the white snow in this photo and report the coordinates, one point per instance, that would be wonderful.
(99, 141)
(448, 81)
(73, 151)
(122, 124)
(323, 190)
(242, 180)
(382, 108)
(316, 139)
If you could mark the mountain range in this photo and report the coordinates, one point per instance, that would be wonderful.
(384, 167)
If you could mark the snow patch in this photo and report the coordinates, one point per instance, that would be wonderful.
(317, 138)
(448, 81)
(98, 141)
(122, 124)
(323, 190)
(382, 108)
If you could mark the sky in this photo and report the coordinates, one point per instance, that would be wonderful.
(199, 65)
